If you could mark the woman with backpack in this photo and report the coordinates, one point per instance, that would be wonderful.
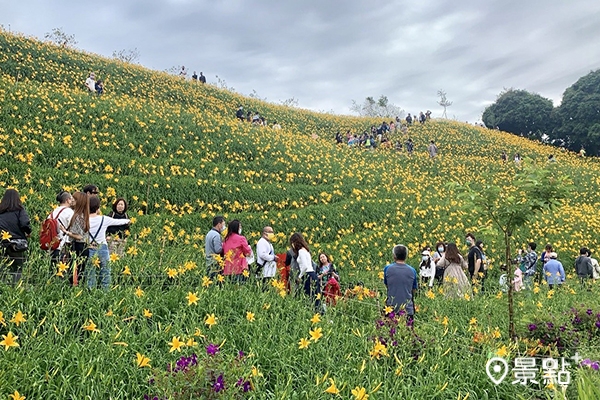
(15, 229)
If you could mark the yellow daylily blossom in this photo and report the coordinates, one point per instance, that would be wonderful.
(176, 344)
(192, 298)
(316, 334)
(210, 320)
(18, 318)
(9, 341)
(16, 396)
(360, 393)
(142, 361)
(332, 389)
(303, 343)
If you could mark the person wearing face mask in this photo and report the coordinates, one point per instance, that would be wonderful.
(213, 245)
(427, 268)
(266, 259)
(474, 259)
(437, 256)
(235, 251)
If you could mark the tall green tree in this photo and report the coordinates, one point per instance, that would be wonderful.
(520, 112)
(578, 117)
(532, 191)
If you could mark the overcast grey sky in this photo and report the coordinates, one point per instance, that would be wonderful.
(326, 53)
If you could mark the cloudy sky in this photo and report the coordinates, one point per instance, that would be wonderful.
(327, 53)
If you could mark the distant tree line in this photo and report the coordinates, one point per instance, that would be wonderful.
(575, 124)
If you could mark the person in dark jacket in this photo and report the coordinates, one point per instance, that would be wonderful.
(15, 229)
(118, 233)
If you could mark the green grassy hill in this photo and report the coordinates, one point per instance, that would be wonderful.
(175, 150)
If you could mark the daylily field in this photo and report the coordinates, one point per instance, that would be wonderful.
(177, 153)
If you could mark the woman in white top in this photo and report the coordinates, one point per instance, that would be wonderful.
(312, 286)
(427, 268)
(98, 246)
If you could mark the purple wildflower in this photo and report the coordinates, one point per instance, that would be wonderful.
(212, 349)
(532, 327)
(589, 311)
(562, 328)
(379, 323)
(219, 384)
(392, 331)
(241, 354)
(244, 384)
(598, 324)
(550, 325)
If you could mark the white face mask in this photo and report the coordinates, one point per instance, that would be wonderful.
(425, 258)
(222, 228)
(440, 249)
(240, 231)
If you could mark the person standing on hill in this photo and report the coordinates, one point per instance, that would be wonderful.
(15, 229)
(235, 251)
(456, 283)
(528, 264)
(401, 282)
(194, 77)
(90, 82)
(202, 78)
(63, 214)
(474, 258)
(213, 246)
(409, 119)
(307, 275)
(98, 246)
(554, 271)
(583, 267)
(410, 146)
(266, 259)
(432, 149)
(77, 233)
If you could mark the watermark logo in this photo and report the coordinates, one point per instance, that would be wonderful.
(497, 369)
(526, 370)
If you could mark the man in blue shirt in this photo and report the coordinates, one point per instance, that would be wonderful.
(401, 282)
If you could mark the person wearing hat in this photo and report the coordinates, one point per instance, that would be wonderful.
(554, 271)
(90, 82)
(427, 268)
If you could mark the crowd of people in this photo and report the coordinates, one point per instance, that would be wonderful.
(463, 277)
(80, 243)
(254, 118)
(84, 240)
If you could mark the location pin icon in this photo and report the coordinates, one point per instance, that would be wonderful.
(496, 368)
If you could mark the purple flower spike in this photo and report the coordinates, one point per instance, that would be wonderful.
(532, 327)
(598, 324)
(212, 349)
(219, 384)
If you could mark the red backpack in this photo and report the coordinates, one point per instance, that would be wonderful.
(49, 239)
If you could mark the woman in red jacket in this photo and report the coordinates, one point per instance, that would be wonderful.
(235, 251)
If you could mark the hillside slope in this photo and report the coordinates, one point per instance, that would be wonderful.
(175, 149)
(176, 152)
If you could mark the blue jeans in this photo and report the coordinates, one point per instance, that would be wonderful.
(90, 270)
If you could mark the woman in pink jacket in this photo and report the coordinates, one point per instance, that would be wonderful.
(235, 250)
